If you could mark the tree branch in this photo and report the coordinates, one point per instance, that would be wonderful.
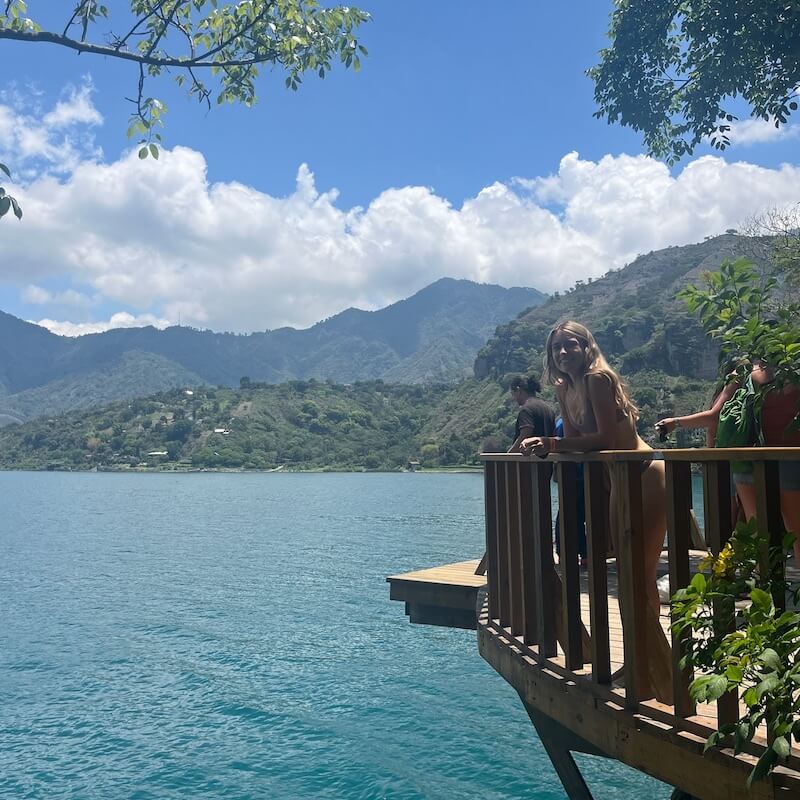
(120, 43)
(214, 50)
(166, 20)
(127, 55)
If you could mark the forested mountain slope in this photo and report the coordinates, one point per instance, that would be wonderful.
(430, 337)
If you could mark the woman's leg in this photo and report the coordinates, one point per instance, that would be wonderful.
(790, 501)
(746, 493)
(654, 501)
(790, 508)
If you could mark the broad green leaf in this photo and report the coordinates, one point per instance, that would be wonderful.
(782, 747)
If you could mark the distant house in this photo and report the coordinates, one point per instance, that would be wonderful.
(222, 431)
(158, 453)
(413, 466)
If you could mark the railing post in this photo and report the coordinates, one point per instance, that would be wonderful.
(544, 568)
(516, 612)
(490, 505)
(679, 524)
(503, 567)
(770, 525)
(530, 633)
(596, 503)
(570, 575)
(719, 526)
(630, 574)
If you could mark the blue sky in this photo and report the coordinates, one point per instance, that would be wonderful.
(473, 114)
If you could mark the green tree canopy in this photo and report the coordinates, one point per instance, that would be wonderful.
(215, 50)
(674, 65)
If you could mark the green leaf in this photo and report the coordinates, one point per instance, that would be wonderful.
(699, 582)
(734, 674)
(154, 151)
(5, 204)
(750, 697)
(5, 169)
(763, 767)
(782, 747)
(771, 659)
(761, 600)
(143, 152)
(768, 685)
(17, 208)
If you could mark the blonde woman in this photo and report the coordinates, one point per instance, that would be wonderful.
(598, 414)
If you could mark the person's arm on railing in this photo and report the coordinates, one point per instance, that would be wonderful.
(524, 433)
(702, 419)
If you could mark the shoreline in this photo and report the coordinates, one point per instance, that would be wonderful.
(456, 470)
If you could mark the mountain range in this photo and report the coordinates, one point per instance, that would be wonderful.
(431, 337)
(644, 329)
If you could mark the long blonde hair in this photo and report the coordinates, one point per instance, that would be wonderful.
(595, 363)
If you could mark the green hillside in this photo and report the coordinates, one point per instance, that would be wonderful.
(662, 353)
(300, 424)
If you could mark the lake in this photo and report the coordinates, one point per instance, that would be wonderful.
(209, 635)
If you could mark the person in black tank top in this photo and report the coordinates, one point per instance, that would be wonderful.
(535, 417)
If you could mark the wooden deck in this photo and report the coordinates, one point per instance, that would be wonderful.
(651, 738)
(582, 647)
(583, 650)
(445, 595)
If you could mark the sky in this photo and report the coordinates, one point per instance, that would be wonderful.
(465, 147)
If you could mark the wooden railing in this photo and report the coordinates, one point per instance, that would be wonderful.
(538, 605)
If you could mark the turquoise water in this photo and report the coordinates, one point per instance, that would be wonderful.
(200, 636)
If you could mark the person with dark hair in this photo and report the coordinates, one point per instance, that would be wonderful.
(535, 417)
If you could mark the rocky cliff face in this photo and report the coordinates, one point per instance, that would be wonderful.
(633, 313)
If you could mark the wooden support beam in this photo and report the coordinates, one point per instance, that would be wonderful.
(530, 631)
(770, 525)
(633, 595)
(553, 737)
(543, 568)
(597, 538)
(515, 565)
(719, 526)
(570, 575)
(503, 567)
(679, 526)
(492, 567)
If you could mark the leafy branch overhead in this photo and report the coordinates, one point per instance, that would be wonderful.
(674, 65)
(7, 202)
(215, 50)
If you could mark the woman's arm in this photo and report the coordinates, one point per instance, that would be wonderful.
(702, 419)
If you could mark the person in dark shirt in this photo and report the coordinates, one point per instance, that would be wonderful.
(535, 417)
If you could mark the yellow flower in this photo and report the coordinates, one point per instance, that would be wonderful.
(722, 566)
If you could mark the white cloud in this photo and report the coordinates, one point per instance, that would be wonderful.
(759, 131)
(119, 320)
(36, 295)
(57, 141)
(157, 239)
